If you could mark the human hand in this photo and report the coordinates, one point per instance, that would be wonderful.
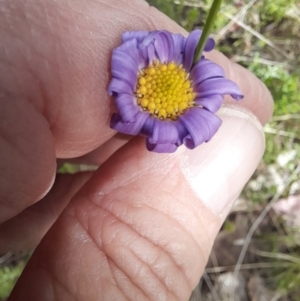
(142, 226)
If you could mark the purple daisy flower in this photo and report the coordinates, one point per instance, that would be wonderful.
(162, 95)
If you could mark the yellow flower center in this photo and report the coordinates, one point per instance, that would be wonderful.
(164, 90)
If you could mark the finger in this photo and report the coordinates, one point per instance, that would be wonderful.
(25, 231)
(143, 226)
(103, 152)
(27, 158)
(55, 61)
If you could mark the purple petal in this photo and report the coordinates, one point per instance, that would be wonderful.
(127, 107)
(149, 39)
(179, 43)
(143, 58)
(132, 128)
(118, 86)
(151, 54)
(124, 68)
(210, 45)
(163, 43)
(130, 48)
(182, 131)
(205, 69)
(164, 132)
(218, 86)
(131, 40)
(161, 148)
(191, 45)
(164, 46)
(147, 50)
(140, 35)
(212, 103)
(147, 129)
(201, 125)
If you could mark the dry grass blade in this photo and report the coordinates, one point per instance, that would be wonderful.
(294, 13)
(239, 16)
(279, 132)
(260, 218)
(262, 61)
(286, 117)
(248, 266)
(189, 3)
(211, 287)
(256, 34)
(281, 256)
(5, 257)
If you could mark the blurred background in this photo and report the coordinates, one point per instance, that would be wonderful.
(256, 256)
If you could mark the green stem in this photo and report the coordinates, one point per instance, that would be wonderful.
(215, 7)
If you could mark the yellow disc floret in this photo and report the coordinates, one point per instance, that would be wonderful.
(164, 90)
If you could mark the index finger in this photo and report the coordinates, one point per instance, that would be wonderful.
(56, 61)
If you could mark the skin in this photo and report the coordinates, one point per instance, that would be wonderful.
(143, 222)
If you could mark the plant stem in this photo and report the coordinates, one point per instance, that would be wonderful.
(215, 7)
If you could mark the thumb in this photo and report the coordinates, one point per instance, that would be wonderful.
(143, 226)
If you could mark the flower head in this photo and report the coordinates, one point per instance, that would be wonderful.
(162, 95)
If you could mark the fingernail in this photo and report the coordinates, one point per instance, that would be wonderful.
(218, 170)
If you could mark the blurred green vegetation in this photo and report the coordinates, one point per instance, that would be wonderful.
(8, 278)
(264, 37)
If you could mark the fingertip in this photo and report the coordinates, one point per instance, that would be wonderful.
(218, 171)
(25, 231)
